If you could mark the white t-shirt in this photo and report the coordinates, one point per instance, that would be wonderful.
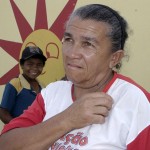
(126, 128)
(127, 119)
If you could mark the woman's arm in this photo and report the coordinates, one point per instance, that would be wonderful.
(31, 133)
(5, 116)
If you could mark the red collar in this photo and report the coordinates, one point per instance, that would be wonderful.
(105, 89)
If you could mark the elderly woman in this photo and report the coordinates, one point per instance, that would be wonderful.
(95, 108)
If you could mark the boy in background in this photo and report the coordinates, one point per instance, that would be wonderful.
(20, 92)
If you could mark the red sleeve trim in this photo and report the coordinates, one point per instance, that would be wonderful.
(142, 142)
(33, 115)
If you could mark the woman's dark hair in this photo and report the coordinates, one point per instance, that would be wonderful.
(118, 33)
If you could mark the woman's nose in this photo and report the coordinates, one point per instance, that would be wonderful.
(74, 51)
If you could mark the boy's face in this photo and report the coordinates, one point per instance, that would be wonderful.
(32, 68)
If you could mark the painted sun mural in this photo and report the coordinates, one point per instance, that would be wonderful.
(47, 38)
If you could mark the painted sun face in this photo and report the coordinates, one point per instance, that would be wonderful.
(47, 38)
(51, 47)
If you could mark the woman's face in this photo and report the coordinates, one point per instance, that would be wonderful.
(86, 51)
(32, 68)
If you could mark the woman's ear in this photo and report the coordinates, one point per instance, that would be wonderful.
(116, 58)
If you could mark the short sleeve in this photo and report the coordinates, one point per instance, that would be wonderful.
(9, 97)
(32, 116)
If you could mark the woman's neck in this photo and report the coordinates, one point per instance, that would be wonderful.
(79, 91)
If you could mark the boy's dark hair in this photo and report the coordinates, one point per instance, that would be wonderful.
(32, 52)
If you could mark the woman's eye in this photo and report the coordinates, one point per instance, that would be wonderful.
(67, 39)
(88, 44)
